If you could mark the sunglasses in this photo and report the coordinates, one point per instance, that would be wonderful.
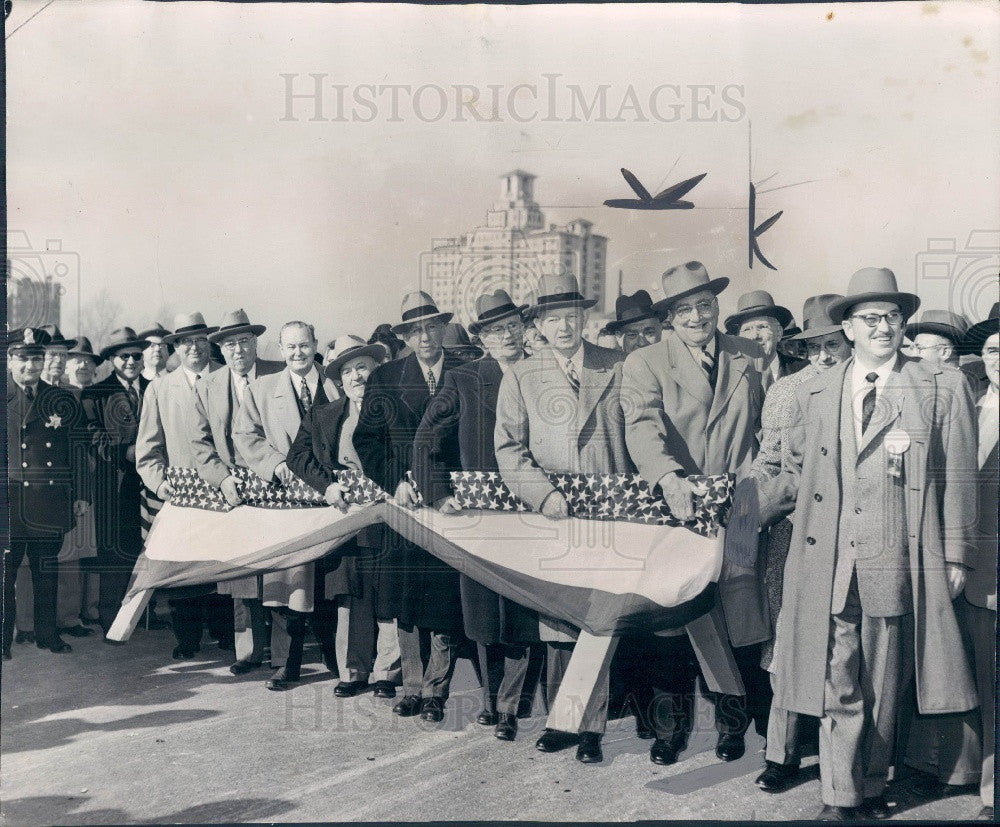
(132, 355)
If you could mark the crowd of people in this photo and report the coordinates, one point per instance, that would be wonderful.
(870, 432)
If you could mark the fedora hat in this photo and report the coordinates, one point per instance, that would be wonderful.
(941, 323)
(418, 307)
(157, 331)
(121, 338)
(816, 320)
(56, 337)
(28, 341)
(559, 291)
(457, 340)
(491, 307)
(873, 284)
(234, 322)
(84, 348)
(754, 304)
(686, 280)
(347, 347)
(976, 335)
(187, 324)
(630, 309)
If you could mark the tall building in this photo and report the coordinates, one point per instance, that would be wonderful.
(31, 302)
(513, 250)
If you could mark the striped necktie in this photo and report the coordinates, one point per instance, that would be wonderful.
(305, 395)
(868, 403)
(431, 383)
(708, 364)
(571, 375)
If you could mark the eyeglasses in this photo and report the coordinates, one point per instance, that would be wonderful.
(893, 318)
(922, 348)
(646, 333)
(192, 341)
(703, 308)
(131, 356)
(243, 343)
(501, 329)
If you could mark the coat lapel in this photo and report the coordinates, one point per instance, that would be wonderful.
(220, 399)
(732, 364)
(595, 380)
(287, 408)
(686, 372)
(413, 386)
(888, 408)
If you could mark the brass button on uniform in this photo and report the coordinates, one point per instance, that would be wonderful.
(818, 497)
(811, 541)
(823, 451)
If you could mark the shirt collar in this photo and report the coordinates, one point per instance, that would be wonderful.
(125, 382)
(250, 374)
(192, 377)
(709, 347)
(437, 368)
(859, 373)
(576, 360)
(312, 380)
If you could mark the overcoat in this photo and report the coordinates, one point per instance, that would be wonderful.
(674, 421)
(933, 406)
(413, 586)
(263, 430)
(463, 415)
(981, 584)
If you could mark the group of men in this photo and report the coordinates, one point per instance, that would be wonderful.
(871, 602)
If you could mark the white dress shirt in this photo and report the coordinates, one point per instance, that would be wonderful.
(240, 383)
(860, 387)
(437, 369)
(312, 382)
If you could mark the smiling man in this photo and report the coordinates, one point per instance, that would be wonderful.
(760, 320)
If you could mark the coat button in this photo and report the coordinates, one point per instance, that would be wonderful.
(852, 543)
(811, 541)
(823, 451)
(24, 465)
(24, 444)
(857, 509)
(48, 444)
(25, 483)
(49, 464)
(818, 497)
(51, 483)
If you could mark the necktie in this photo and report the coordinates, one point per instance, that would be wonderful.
(29, 391)
(241, 386)
(868, 403)
(431, 383)
(708, 365)
(574, 380)
(133, 398)
(305, 395)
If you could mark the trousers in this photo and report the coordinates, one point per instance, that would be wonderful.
(42, 558)
(428, 661)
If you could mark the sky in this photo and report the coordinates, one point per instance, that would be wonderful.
(153, 142)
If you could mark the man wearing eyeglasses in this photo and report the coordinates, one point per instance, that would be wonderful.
(219, 396)
(692, 405)
(164, 439)
(881, 477)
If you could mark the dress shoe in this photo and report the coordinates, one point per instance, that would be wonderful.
(487, 718)
(730, 747)
(384, 689)
(644, 731)
(408, 707)
(929, 787)
(831, 813)
(589, 750)
(875, 807)
(58, 645)
(506, 729)
(553, 740)
(180, 653)
(777, 778)
(24, 637)
(663, 752)
(6, 653)
(76, 631)
(985, 814)
(432, 709)
(348, 689)
(241, 667)
(281, 680)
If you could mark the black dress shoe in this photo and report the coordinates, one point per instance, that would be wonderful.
(241, 667)
(644, 731)
(408, 707)
(553, 740)
(985, 814)
(348, 689)
(875, 807)
(777, 778)
(180, 653)
(281, 680)
(663, 752)
(58, 645)
(730, 747)
(589, 750)
(24, 637)
(384, 689)
(76, 631)
(432, 709)
(929, 787)
(486, 718)
(506, 729)
(6, 653)
(831, 813)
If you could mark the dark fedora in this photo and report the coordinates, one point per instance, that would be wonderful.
(491, 307)
(974, 338)
(457, 340)
(754, 304)
(188, 324)
(56, 337)
(418, 307)
(816, 320)
(874, 284)
(941, 323)
(121, 338)
(84, 348)
(28, 341)
(686, 280)
(347, 347)
(630, 309)
(555, 292)
(234, 323)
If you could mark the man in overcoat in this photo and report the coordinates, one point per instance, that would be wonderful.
(463, 415)
(692, 405)
(759, 319)
(414, 587)
(880, 474)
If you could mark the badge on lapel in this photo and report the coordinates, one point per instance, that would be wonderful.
(896, 444)
(55, 421)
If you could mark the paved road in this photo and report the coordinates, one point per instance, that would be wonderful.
(109, 735)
